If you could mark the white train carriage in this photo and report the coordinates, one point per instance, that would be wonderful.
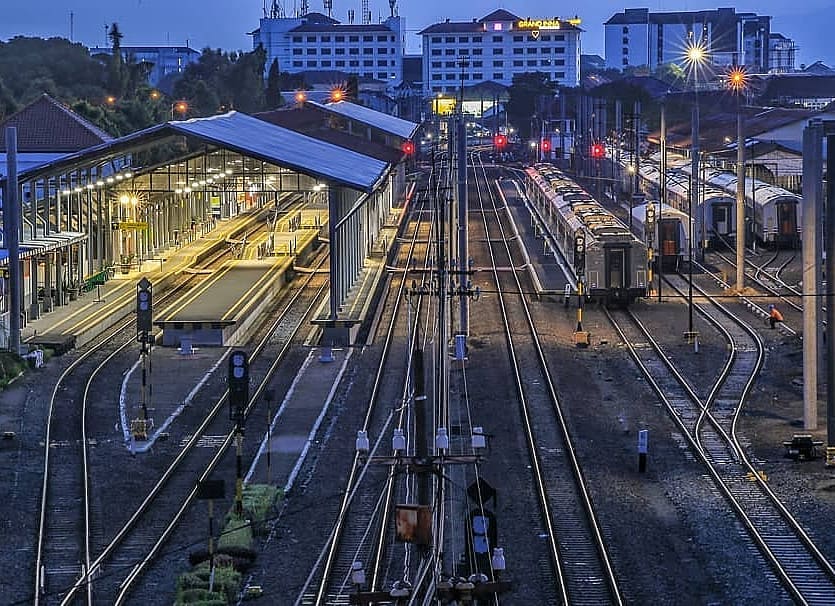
(671, 236)
(613, 261)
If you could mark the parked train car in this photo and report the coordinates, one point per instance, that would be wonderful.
(611, 261)
(671, 235)
(777, 212)
(718, 206)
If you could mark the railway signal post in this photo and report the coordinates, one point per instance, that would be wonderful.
(144, 325)
(238, 399)
(581, 337)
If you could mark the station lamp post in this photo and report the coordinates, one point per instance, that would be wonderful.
(179, 107)
(737, 81)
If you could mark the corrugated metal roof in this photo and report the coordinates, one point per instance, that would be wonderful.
(390, 124)
(253, 137)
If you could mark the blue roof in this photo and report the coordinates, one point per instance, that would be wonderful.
(277, 145)
(390, 124)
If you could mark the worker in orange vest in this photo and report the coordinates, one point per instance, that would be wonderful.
(774, 315)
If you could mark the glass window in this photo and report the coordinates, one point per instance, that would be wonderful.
(449, 51)
(382, 63)
(326, 38)
(297, 64)
(353, 51)
(326, 63)
(353, 63)
(518, 51)
(297, 38)
(436, 76)
(476, 39)
(326, 51)
(449, 39)
(311, 51)
(546, 50)
(625, 29)
(531, 50)
(450, 76)
(368, 75)
(625, 40)
(463, 39)
(497, 38)
(368, 38)
(436, 51)
(297, 51)
(339, 51)
(498, 51)
(382, 38)
(311, 64)
(449, 64)
(368, 62)
(477, 51)
(559, 74)
(382, 75)
(478, 76)
(560, 50)
(477, 63)
(436, 39)
(368, 51)
(517, 38)
(545, 38)
(559, 62)
(498, 63)
(498, 76)
(436, 65)
(561, 37)
(518, 63)
(340, 64)
(531, 62)
(383, 50)
(545, 62)
(311, 39)
(340, 38)
(353, 38)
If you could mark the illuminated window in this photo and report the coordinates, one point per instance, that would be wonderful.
(497, 27)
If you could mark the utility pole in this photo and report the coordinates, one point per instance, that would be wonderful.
(12, 211)
(663, 191)
(636, 126)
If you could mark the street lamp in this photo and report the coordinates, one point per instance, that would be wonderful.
(737, 80)
(180, 107)
(696, 56)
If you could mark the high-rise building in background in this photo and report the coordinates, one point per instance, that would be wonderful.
(496, 47)
(164, 60)
(636, 37)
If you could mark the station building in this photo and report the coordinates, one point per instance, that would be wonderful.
(497, 47)
(636, 37)
(317, 42)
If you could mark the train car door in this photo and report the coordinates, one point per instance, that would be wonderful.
(616, 276)
(786, 214)
(721, 219)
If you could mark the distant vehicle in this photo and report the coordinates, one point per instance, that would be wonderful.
(670, 236)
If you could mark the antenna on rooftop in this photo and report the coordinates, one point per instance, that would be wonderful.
(392, 4)
(366, 13)
(329, 7)
(277, 10)
(305, 8)
(350, 16)
(72, 18)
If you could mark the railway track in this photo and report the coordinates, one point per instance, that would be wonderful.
(577, 553)
(710, 426)
(360, 528)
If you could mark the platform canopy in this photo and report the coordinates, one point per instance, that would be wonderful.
(379, 120)
(244, 135)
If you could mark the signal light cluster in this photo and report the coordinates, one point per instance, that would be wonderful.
(545, 146)
(598, 151)
(408, 148)
(500, 141)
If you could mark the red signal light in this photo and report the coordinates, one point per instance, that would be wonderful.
(546, 145)
(500, 140)
(598, 150)
(408, 148)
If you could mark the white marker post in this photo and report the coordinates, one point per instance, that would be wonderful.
(643, 439)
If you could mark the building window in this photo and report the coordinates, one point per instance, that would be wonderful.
(546, 50)
(449, 39)
(497, 38)
(340, 38)
(477, 63)
(498, 63)
(478, 76)
(311, 64)
(297, 51)
(518, 51)
(498, 51)
(560, 50)
(353, 63)
(559, 75)
(382, 63)
(449, 51)
(368, 63)
(339, 51)
(517, 38)
(545, 38)
(368, 51)
(297, 39)
(476, 39)
(353, 38)
(311, 39)
(382, 75)
(436, 40)
(497, 27)
(340, 64)
(436, 65)
(368, 75)
(518, 63)
(531, 62)
(391, 38)
(545, 62)
(311, 51)
(559, 62)
(326, 38)
(450, 76)
(625, 61)
(477, 51)
(625, 40)
(383, 51)
(326, 51)
(498, 76)
(382, 38)
(368, 38)
(436, 52)
(625, 51)
(464, 39)
(326, 63)
(297, 63)
(436, 76)
(531, 50)
(353, 51)
(625, 29)
(449, 64)
(559, 38)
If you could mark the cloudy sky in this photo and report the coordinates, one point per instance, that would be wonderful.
(225, 23)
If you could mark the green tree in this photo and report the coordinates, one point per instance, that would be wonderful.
(273, 92)
(527, 92)
(116, 73)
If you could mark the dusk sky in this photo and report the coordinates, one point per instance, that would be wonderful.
(224, 24)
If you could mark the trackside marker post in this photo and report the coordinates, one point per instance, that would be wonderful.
(643, 440)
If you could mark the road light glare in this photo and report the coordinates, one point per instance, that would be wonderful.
(696, 53)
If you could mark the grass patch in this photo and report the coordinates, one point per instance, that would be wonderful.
(11, 365)
(193, 587)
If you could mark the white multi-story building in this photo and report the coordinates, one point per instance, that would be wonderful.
(637, 37)
(496, 47)
(316, 42)
(782, 54)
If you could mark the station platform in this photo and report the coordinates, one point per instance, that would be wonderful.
(80, 320)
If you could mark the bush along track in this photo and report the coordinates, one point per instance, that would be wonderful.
(234, 555)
